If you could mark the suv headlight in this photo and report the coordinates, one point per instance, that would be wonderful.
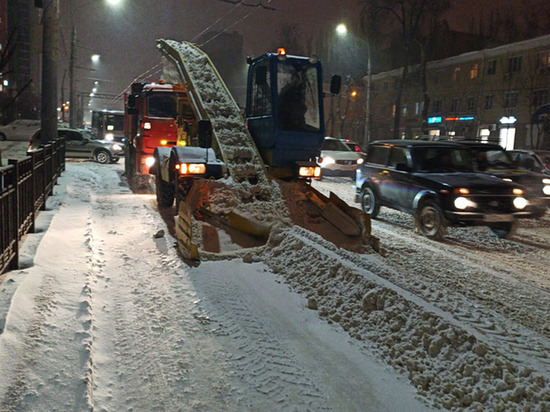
(462, 203)
(520, 202)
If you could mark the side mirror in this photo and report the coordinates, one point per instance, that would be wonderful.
(402, 167)
(335, 84)
(260, 78)
(131, 107)
(205, 134)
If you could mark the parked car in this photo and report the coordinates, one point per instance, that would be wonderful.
(83, 144)
(354, 147)
(22, 129)
(492, 158)
(437, 184)
(535, 161)
(338, 159)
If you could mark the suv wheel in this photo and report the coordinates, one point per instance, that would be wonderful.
(504, 229)
(102, 156)
(430, 221)
(369, 202)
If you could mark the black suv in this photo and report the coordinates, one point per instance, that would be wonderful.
(492, 158)
(437, 184)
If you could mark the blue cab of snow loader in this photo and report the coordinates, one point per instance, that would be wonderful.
(285, 112)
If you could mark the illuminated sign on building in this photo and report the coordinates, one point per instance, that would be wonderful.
(508, 120)
(459, 119)
(433, 120)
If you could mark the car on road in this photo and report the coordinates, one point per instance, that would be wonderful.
(83, 144)
(22, 129)
(437, 184)
(493, 159)
(338, 159)
(354, 147)
(536, 161)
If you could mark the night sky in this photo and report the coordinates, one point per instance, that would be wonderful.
(125, 36)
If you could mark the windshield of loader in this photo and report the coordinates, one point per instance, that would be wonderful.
(298, 92)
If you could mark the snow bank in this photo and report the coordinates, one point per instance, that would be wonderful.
(451, 366)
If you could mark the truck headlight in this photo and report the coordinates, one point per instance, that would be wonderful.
(191, 168)
(149, 161)
(546, 190)
(462, 203)
(520, 202)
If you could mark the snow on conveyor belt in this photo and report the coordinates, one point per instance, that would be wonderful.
(262, 197)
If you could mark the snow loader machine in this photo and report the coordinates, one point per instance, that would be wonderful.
(246, 177)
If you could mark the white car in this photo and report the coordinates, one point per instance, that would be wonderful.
(21, 129)
(338, 159)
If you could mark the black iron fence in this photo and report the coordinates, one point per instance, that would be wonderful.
(25, 185)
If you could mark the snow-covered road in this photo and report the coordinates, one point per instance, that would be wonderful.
(105, 317)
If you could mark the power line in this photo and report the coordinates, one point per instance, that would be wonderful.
(237, 4)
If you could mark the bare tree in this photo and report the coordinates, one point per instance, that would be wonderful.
(409, 18)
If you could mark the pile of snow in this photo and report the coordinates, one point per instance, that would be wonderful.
(450, 365)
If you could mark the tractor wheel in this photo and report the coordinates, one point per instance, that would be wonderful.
(369, 202)
(504, 230)
(430, 221)
(165, 192)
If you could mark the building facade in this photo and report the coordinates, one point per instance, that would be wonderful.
(498, 94)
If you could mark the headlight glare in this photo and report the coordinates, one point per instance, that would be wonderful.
(462, 203)
(546, 181)
(520, 203)
(546, 190)
(328, 161)
(149, 161)
(191, 168)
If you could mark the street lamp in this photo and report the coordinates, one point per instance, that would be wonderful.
(342, 31)
(72, 62)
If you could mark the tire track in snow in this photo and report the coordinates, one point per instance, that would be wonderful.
(260, 359)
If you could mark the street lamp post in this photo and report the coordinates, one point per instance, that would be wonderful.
(342, 31)
(73, 110)
(72, 99)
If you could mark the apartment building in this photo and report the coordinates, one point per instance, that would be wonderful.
(500, 94)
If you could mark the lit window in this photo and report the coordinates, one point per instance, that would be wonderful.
(473, 71)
